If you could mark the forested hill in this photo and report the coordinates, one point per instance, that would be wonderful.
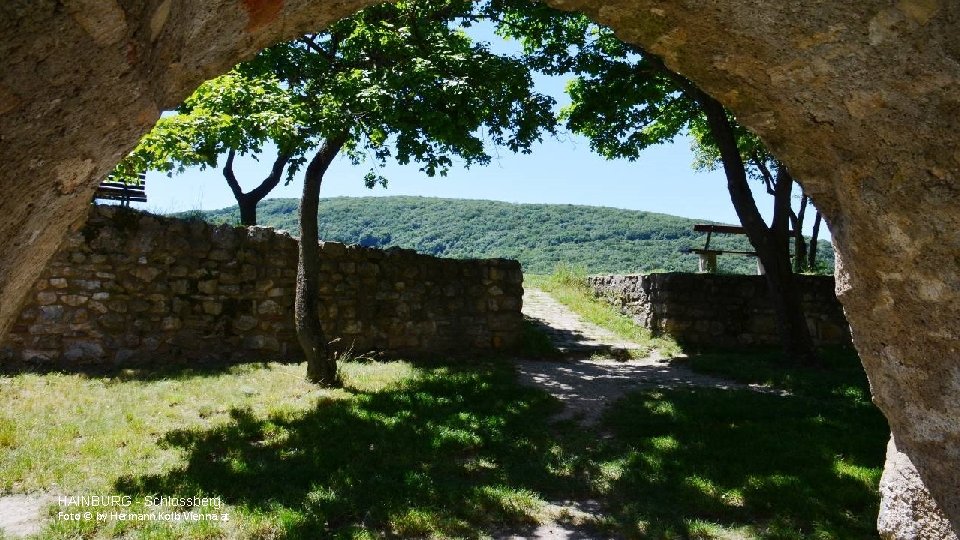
(538, 235)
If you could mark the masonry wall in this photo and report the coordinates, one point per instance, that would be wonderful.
(720, 310)
(132, 288)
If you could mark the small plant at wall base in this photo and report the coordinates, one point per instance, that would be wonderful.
(535, 343)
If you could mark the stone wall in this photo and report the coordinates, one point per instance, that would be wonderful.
(720, 310)
(131, 288)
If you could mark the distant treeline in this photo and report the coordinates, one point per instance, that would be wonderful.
(540, 236)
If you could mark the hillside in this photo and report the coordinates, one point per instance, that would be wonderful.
(538, 235)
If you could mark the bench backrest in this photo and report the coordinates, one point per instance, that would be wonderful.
(113, 190)
(710, 228)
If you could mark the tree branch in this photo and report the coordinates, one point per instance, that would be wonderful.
(272, 179)
(765, 173)
(231, 178)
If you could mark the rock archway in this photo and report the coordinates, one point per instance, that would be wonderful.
(860, 98)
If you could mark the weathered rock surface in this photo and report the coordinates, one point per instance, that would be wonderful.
(907, 511)
(859, 98)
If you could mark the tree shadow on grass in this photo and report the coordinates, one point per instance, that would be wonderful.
(455, 452)
(172, 370)
(768, 466)
(451, 452)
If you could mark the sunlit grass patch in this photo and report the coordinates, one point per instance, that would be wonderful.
(429, 451)
(569, 287)
(710, 463)
(69, 426)
(375, 376)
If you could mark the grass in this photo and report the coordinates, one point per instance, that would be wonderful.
(568, 286)
(402, 450)
(444, 451)
(535, 343)
(710, 463)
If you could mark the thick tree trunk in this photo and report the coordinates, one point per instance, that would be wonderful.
(812, 263)
(248, 210)
(248, 201)
(321, 364)
(771, 244)
(799, 242)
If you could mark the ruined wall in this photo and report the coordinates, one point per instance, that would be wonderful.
(132, 288)
(720, 310)
(858, 98)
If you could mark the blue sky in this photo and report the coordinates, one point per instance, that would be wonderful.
(558, 171)
(561, 170)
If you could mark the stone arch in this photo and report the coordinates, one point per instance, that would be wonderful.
(860, 99)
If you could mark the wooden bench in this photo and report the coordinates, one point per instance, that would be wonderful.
(708, 257)
(113, 190)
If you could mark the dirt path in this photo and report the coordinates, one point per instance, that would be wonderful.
(592, 377)
(568, 332)
(23, 515)
(588, 380)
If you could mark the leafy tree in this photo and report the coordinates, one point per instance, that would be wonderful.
(398, 82)
(626, 100)
(236, 113)
(765, 168)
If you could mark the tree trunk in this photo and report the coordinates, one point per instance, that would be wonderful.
(248, 201)
(321, 364)
(771, 244)
(248, 210)
(799, 242)
(812, 264)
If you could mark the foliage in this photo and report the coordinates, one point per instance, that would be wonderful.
(540, 236)
(235, 111)
(402, 80)
(650, 107)
(653, 105)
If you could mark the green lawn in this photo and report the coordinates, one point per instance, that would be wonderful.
(401, 450)
(445, 451)
(709, 463)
